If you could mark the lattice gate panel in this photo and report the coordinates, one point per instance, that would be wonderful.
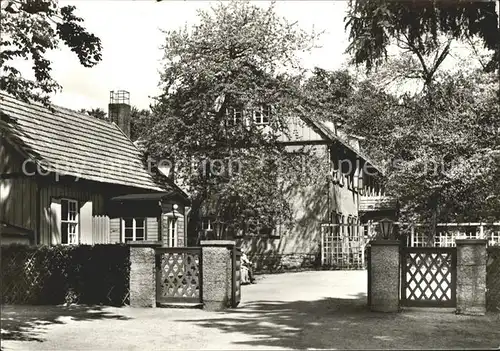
(178, 275)
(429, 277)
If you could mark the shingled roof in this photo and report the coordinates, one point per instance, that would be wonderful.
(73, 143)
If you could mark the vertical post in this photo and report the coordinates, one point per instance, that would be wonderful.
(471, 276)
(217, 266)
(481, 231)
(142, 277)
(369, 275)
(412, 236)
(233, 276)
(322, 246)
(384, 276)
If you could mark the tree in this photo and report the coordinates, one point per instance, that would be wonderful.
(140, 121)
(327, 93)
(424, 28)
(95, 112)
(441, 153)
(237, 60)
(29, 29)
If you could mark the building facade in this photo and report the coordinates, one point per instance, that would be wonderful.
(70, 178)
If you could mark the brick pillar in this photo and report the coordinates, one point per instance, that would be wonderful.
(471, 276)
(384, 276)
(142, 277)
(216, 273)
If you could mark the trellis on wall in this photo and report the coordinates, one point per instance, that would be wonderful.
(344, 245)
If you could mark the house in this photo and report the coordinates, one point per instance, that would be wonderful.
(70, 178)
(351, 195)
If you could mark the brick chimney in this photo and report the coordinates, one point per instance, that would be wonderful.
(119, 109)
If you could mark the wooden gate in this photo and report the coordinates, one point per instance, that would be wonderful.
(178, 275)
(428, 276)
(236, 277)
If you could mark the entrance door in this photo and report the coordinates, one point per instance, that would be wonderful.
(429, 276)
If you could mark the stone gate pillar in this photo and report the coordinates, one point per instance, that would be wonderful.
(142, 276)
(471, 276)
(384, 276)
(216, 273)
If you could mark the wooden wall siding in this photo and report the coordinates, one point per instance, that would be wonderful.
(91, 203)
(18, 202)
(300, 131)
(10, 162)
(152, 228)
(115, 235)
(100, 230)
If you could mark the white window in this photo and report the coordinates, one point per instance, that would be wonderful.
(172, 232)
(494, 238)
(206, 224)
(234, 116)
(69, 221)
(133, 229)
(262, 115)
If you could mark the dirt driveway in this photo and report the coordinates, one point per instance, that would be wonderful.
(307, 310)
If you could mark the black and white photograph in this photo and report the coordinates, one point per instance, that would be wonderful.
(249, 175)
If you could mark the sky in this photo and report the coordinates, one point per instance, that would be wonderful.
(130, 31)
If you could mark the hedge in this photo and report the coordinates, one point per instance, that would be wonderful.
(83, 274)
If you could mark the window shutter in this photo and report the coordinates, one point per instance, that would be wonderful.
(86, 223)
(55, 221)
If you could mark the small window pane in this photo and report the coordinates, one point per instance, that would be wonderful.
(64, 233)
(129, 234)
(139, 222)
(64, 210)
(128, 222)
(139, 234)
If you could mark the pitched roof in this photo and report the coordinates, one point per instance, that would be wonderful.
(73, 143)
(330, 135)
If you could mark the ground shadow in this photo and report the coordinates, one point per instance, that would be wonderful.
(27, 324)
(346, 323)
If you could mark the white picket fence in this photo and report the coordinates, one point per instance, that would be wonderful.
(344, 245)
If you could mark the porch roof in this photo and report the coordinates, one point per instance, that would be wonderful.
(160, 196)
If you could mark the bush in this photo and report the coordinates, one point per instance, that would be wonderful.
(82, 274)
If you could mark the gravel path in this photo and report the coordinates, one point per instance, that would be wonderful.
(306, 310)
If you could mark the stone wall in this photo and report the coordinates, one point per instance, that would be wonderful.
(493, 279)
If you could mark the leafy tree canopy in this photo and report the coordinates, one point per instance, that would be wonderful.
(238, 58)
(440, 148)
(420, 25)
(29, 29)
